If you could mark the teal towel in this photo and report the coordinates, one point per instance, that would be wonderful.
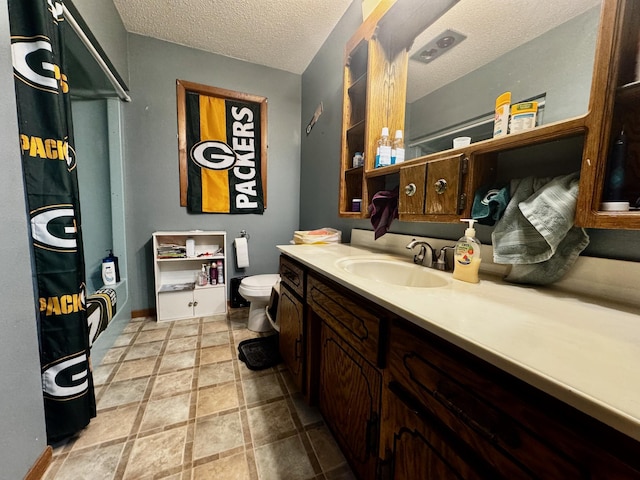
(536, 234)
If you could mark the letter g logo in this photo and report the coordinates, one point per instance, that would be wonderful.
(66, 378)
(54, 228)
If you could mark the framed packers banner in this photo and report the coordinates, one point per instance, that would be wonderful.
(222, 149)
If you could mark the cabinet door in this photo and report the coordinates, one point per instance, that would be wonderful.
(349, 399)
(412, 183)
(290, 319)
(444, 182)
(209, 301)
(422, 448)
(174, 305)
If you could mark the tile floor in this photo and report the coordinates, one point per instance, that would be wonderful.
(175, 402)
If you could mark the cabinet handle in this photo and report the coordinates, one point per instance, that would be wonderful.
(298, 348)
(440, 186)
(190, 304)
(195, 304)
(410, 190)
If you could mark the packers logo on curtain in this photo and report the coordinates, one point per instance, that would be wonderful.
(223, 155)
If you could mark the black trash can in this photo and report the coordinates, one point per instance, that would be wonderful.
(237, 300)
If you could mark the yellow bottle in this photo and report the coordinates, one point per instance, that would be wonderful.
(466, 259)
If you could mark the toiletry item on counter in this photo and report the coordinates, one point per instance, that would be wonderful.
(383, 151)
(501, 120)
(523, 116)
(461, 142)
(615, 170)
(467, 255)
(397, 149)
(358, 160)
(356, 205)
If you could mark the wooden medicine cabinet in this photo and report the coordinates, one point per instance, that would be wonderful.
(376, 65)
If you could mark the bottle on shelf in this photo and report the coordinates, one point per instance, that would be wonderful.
(397, 149)
(213, 273)
(383, 151)
(615, 170)
(203, 275)
(220, 269)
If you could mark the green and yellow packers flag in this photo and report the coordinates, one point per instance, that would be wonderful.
(51, 184)
(224, 154)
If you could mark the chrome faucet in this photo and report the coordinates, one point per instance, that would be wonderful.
(441, 261)
(419, 257)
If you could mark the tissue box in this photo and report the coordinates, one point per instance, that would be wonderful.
(320, 236)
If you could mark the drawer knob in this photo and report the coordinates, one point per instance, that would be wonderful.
(410, 190)
(440, 186)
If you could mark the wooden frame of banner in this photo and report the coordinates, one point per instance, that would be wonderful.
(182, 87)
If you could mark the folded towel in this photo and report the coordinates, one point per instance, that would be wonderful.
(383, 210)
(536, 234)
(489, 204)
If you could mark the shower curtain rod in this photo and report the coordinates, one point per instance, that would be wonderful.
(94, 53)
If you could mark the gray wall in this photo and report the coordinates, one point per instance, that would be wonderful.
(22, 424)
(320, 153)
(152, 181)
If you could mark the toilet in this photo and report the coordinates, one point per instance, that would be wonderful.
(256, 289)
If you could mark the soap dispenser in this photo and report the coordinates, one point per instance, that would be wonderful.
(466, 261)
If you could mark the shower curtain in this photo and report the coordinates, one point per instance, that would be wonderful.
(51, 185)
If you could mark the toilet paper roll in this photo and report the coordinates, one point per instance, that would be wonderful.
(242, 252)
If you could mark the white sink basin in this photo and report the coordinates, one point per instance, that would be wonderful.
(392, 270)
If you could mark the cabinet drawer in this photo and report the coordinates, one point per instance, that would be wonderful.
(292, 274)
(453, 392)
(358, 326)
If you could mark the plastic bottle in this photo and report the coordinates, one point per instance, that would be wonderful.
(615, 169)
(383, 152)
(220, 269)
(501, 120)
(203, 276)
(115, 263)
(212, 273)
(108, 271)
(466, 255)
(397, 149)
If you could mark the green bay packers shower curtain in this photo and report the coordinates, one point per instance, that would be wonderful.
(49, 167)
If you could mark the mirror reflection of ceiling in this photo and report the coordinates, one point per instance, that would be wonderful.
(492, 28)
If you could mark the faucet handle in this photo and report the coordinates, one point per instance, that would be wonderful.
(441, 262)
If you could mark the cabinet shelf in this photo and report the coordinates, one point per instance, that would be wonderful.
(177, 295)
(183, 259)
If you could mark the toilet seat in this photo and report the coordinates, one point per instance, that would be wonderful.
(258, 285)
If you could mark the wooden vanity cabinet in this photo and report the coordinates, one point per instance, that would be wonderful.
(349, 375)
(291, 319)
(463, 414)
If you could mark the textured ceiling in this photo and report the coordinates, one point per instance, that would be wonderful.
(286, 34)
(492, 28)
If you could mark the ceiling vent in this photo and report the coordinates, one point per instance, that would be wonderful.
(438, 46)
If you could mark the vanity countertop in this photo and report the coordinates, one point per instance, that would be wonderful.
(582, 350)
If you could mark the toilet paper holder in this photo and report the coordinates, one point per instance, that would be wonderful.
(244, 234)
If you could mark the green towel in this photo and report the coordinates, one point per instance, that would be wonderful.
(536, 234)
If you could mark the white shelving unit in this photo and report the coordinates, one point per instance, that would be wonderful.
(178, 295)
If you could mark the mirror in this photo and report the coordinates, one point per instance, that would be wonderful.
(477, 50)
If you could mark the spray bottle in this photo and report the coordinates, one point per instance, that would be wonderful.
(467, 255)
